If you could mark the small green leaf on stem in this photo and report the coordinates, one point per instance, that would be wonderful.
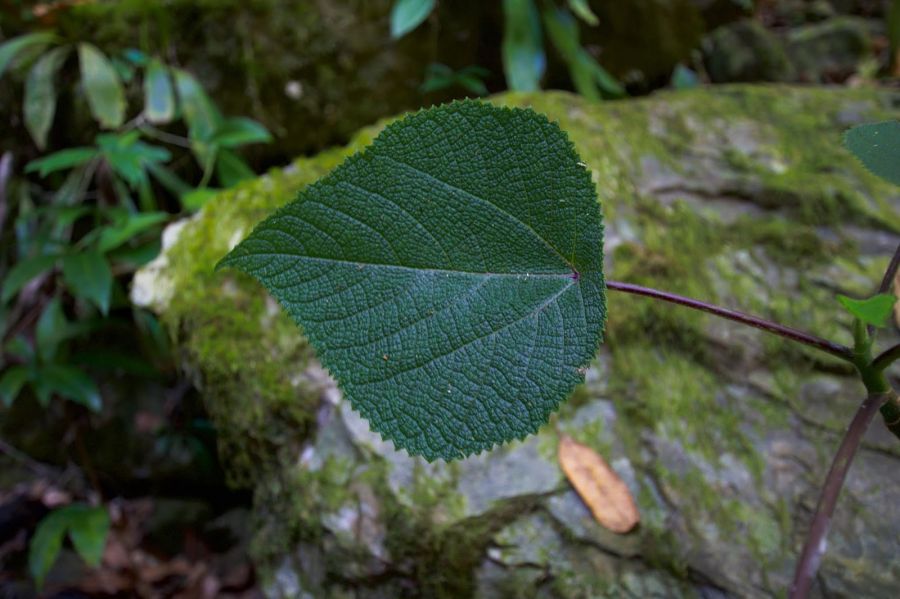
(60, 161)
(88, 275)
(23, 273)
(197, 108)
(102, 86)
(69, 383)
(524, 60)
(406, 15)
(589, 78)
(128, 227)
(40, 94)
(51, 330)
(159, 96)
(11, 383)
(231, 168)
(584, 12)
(439, 76)
(129, 157)
(10, 49)
(239, 131)
(46, 544)
(88, 527)
(872, 311)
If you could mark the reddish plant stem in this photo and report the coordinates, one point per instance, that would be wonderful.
(888, 280)
(886, 358)
(836, 349)
(891, 272)
(815, 546)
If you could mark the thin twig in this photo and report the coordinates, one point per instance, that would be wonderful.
(815, 546)
(165, 136)
(836, 349)
(886, 358)
(33, 465)
(888, 279)
(891, 272)
(86, 463)
(6, 162)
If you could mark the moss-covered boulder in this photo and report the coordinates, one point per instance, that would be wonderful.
(741, 195)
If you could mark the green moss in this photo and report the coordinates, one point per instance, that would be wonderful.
(668, 374)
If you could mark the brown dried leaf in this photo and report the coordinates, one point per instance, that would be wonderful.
(598, 485)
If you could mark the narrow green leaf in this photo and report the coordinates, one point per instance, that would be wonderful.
(19, 347)
(608, 84)
(69, 383)
(449, 277)
(877, 146)
(23, 272)
(124, 69)
(159, 96)
(66, 215)
(60, 161)
(406, 15)
(87, 526)
(52, 328)
(239, 131)
(439, 76)
(130, 157)
(46, 544)
(231, 169)
(88, 529)
(874, 310)
(199, 112)
(40, 94)
(11, 48)
(168, 179)
(584, 12)
(88, 275)
(114, 235)
(102, 86)
(472, 84)
(523, 49)
(563, 32)
(11, 383)
(136, 256)
(588, 77)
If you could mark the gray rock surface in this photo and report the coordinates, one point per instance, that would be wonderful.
(741, 195)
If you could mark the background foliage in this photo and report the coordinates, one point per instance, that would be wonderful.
(119, 118)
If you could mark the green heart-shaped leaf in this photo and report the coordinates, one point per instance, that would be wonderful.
(450, 276)
(873, 311)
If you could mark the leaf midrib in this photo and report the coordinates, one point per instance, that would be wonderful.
(429, 270)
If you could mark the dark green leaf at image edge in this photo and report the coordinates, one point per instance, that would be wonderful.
(450, 276)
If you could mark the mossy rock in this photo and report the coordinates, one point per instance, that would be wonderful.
(741, 195)
(745, 51)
